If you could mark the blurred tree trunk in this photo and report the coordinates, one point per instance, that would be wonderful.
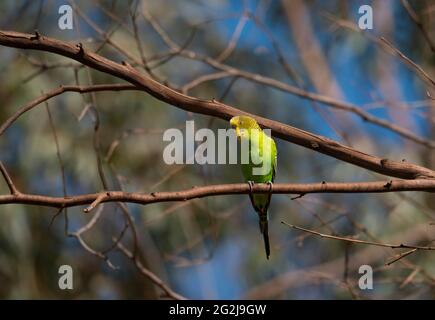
(314, 60)
(387, 72)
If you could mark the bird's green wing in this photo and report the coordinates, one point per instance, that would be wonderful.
(274, 157)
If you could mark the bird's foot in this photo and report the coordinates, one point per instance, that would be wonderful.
(270, 183)
(251, 187)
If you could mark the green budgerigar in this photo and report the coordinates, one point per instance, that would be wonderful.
(260, 168)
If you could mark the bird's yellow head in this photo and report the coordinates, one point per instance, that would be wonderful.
(243, 124)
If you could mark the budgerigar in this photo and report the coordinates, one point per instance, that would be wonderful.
(262, 154)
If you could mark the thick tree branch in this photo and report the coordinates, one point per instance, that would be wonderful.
(214, 108)
(217, 190)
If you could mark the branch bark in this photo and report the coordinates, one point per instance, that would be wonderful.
(213, 108)
(218, 190)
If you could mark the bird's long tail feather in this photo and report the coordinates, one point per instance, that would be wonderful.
(264, 228)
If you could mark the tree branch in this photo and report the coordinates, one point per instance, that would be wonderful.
(14, 191)
(214, 108)
(80, 89)
(352, 240)
(94, 199)
(413, 15)
(423, 74)
(150, 275)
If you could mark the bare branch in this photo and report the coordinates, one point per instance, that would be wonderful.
(385, 44)
(61, 167)
(219, 190)
(409, 62)
(400, 256)
(150, 275)
(14, 191)
(204, 78)
(379, 244)
(96, 202)
(87, 227)
(80, 89)
(234, 38)
(413, 15)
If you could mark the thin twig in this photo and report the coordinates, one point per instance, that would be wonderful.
(94, 204)
(61, 166)
(150, 275)
(234, 38)
(379, 244)
(87, 227)
(400, 256)
(413, 15)
(409, 62)
(204, 78)
(12, 188)
(55, 92)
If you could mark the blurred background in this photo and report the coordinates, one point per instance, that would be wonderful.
(211, 248)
